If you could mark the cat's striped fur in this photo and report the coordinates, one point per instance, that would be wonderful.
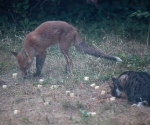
(135, 85)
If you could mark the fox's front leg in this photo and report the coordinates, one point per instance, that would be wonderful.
(40, 59)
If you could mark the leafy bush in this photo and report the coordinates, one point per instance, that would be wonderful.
(127, 18)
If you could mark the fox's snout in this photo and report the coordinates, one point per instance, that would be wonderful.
(24, 61)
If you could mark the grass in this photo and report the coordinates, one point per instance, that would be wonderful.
(62, 109)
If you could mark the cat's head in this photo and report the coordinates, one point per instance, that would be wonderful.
(115, 91)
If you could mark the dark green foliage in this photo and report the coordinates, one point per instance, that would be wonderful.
(129, 18)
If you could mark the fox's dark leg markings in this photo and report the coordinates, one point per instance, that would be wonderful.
(40, 59)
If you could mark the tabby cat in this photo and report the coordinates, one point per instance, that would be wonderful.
(135, 85)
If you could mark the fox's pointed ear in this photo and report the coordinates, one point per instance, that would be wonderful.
(14, 53)
(25, 54)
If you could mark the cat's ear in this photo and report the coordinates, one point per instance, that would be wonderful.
(114, 79)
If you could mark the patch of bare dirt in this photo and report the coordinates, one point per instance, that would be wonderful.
(61, 109)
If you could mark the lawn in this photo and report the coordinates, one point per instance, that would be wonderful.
(31, 102)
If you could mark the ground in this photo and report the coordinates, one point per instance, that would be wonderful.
(24, 102)
(63, 109)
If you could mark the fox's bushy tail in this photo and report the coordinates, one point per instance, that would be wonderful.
(82, 46)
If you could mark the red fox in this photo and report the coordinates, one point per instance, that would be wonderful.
(48, 34)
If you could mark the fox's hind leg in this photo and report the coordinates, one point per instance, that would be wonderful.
(65, 51)
(40, 59)
(68, 60)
